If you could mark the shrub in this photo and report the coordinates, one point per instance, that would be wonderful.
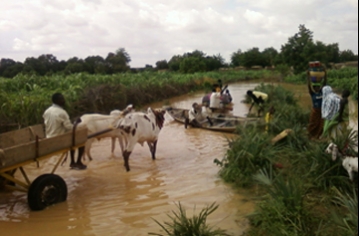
(181, 224)
(349, 223)
(283, 211)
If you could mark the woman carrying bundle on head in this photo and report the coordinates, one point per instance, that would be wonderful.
(315, 81)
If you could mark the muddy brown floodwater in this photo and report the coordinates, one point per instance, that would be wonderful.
(107, 200)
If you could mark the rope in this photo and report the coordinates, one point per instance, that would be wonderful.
(345, 148)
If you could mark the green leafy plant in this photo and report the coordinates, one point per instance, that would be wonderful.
(283, 211)
(24, 98)
(182, 225)
(349, 223)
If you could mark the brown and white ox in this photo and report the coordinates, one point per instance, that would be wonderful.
(139, 127)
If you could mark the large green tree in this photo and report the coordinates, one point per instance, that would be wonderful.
(6, 64)
(214, 62)
(9, 68)
(49, 61)
(347, 55)
(298, 50)
(253, 57)
(95, 65)
(162, 65)
(236, 58)
(174, 62)
(75, 65)
(36, 65)
(192, 65)
(269, 56)
(333, 53)
(118, 62)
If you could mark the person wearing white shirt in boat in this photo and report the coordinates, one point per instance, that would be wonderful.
(196, 117)
(215, 100)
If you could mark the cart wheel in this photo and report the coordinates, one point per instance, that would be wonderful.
(47, 189)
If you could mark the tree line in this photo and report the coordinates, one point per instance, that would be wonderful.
(295, 53)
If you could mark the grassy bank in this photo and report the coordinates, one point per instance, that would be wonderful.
(302, 191)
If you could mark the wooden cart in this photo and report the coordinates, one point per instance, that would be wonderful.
(24, 146)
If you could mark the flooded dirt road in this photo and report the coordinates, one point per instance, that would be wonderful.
(107, 200)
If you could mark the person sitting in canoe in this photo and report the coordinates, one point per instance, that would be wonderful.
(226, 98)
(215, 99)
(196, 116)
(258, 98)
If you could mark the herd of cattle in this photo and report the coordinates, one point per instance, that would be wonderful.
(129, 127)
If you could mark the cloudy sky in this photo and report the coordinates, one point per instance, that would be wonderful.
(155, 30)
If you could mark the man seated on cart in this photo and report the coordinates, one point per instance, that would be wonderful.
(57, 122)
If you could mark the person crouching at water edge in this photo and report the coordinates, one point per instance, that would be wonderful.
(258, 99)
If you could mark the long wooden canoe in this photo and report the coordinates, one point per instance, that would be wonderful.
(220, 122)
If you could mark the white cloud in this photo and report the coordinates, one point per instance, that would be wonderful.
(254, 18)
(154, 30)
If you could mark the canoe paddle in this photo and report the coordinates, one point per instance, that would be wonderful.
(209, 121)
(224, 88)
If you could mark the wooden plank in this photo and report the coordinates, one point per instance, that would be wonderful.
(38, 130)
(18, 165)
(18, 153)
(50, 145)
(23, 152)
(281, 135)
(221, 124)
(20, 136)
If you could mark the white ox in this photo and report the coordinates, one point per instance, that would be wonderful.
(115, 136)
(96, 123)
(139, 127)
